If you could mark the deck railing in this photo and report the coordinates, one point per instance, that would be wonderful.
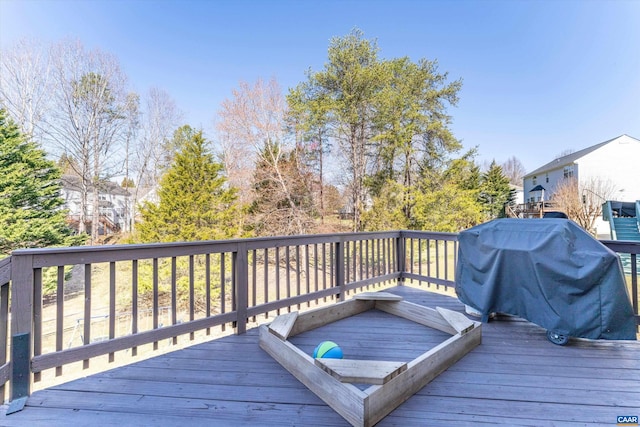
(76, 304)
(632, 249)
(128, 296)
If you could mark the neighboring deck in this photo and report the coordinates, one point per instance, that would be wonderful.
(515, 377)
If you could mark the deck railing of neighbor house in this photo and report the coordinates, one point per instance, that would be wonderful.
(129, 296)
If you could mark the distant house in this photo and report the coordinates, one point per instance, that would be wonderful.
(114, 204)
(518, 193)
(616, 161)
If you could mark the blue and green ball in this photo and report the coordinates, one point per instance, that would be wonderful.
(328, 350)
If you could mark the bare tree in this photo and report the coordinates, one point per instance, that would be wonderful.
(75, 99)
(161, 117)
(133, 125)
(582, 201)
(25, 84)
(253, 116)
(565, 152)
(88, 119)
(514, 170)
(152, 152)
(251, 130)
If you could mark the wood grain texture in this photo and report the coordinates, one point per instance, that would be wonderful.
(345, 399)
(282, 325)
(321, 316)
(416, 313)
(367, 409)
(458, 321)
(515, 377)
(378, 296)
(361, 371)
(419, 373)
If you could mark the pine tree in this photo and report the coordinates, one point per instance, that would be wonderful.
(386, 211)
(31, 213)
(495, 192)
(194, 201)
(387, 118)
(448, 200)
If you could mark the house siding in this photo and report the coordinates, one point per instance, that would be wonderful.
(549, 180)
(114, 202)
(619, 162)
(616, 160)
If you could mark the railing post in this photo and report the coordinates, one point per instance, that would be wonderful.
(21, 327)
(340, 269)
(401, 260)
(638, 214)
(634, 286)
(4, 331)
(242, 287)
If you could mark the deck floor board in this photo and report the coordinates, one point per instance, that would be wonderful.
(515, 377)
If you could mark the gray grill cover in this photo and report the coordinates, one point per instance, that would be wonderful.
(548, 271)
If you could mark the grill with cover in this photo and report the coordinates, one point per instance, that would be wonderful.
(548, 271)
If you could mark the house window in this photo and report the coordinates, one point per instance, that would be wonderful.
(568, 171)
(535, 181)
(546, 177)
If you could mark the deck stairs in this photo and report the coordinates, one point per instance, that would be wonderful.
(625, 225)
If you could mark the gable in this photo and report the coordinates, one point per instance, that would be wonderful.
(575, 157)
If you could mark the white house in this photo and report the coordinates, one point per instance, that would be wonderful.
(518, 193)
(114, 203)
(616, 161)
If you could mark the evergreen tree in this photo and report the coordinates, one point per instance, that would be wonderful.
(449, 208)
(495, 192)
(387, 212)
(447, 200)
(340, 101)
(411, 123)
(31, 213)
(308, 119)
(194, 201)
(387, 118)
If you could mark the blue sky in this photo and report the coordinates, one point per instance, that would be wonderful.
(539, 77)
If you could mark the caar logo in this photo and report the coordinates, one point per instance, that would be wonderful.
(627, 420)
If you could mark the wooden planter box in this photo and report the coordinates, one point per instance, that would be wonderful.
(391, 382)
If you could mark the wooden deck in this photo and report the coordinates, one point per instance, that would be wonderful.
(515, 377)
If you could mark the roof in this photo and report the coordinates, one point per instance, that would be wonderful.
(571, 158)
(73, 183)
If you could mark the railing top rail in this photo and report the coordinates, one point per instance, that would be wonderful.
(45, 257)
(5, 270)
(429, 234)
(607, 213)
(282, 239)
(628, 246)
